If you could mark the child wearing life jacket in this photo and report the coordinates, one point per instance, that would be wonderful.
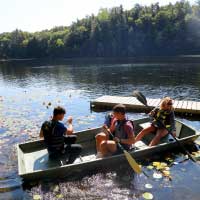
(163, 122)
(121, 128)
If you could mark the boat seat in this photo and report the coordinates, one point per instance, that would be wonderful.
(145, 125)
(167, 139)
(140, 145)
(178, 128)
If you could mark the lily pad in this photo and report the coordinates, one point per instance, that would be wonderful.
(147, 195)
(155, 164)
(150, 167)
(148, 186)
(166, 173)
(59, 196)
(159, 165)
(157, 175)
(37, 197)
(167, 168)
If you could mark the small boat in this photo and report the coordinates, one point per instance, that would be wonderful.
(34, 165)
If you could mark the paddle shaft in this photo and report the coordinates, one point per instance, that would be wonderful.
(184, 149)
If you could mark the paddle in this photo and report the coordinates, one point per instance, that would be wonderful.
(134, 165)
(140, 97)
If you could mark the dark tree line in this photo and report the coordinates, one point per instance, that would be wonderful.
(141, 31)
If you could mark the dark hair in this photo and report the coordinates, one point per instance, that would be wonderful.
(119, 108)
(58, 110)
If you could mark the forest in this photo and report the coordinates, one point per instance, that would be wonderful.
(154, 30)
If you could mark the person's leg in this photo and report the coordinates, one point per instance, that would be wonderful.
(99, 139)
(111, 146)
(159, 134)
(108, 147)
(144, 132)
(74, 151)
(70, 139)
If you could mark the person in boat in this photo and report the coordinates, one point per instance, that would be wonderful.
(162, 122)
(120, 127)
(59, 139)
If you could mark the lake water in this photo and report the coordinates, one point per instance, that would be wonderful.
(30, 90)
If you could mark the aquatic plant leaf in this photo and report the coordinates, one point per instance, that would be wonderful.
(59, 196)
(147, 195)
(166, 173)
(167, 168)
(157, 175)
(148, 186)
(155, 164)
(150, 167)
(159, 165)
(37, 197)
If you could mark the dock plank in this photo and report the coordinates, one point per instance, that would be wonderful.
(149, 101)
(189, 105)
(157, 102)
(175, 103)
(182, 106)
(179, 105)
(198, 107)
(152, 103)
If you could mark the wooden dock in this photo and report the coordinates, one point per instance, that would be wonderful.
(132, 104)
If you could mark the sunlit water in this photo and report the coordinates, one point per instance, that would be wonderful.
(28, 93)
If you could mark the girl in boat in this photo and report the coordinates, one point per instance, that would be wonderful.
(162, 122)
(121, 128)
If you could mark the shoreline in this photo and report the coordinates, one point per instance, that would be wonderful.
(138, 59)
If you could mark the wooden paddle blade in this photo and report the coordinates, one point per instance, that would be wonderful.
(132, 162)
(140, 97)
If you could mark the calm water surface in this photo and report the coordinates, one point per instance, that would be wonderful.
(28, 93)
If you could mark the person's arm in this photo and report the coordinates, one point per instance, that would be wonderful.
(129, 141)
(70, 129)
(131, 136)
(112, 126)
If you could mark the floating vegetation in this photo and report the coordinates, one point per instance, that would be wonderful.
(157, 175)
(37, 197)
(148, 186)
(147, 196)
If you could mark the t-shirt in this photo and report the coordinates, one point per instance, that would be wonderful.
(53, 132)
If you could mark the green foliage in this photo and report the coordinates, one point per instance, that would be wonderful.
(141, 31)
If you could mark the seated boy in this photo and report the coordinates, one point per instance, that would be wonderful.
(58, 138)
(121, 128)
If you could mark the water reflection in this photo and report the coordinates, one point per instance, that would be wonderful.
(178, 81)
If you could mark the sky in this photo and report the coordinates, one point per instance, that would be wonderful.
(37, 15)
